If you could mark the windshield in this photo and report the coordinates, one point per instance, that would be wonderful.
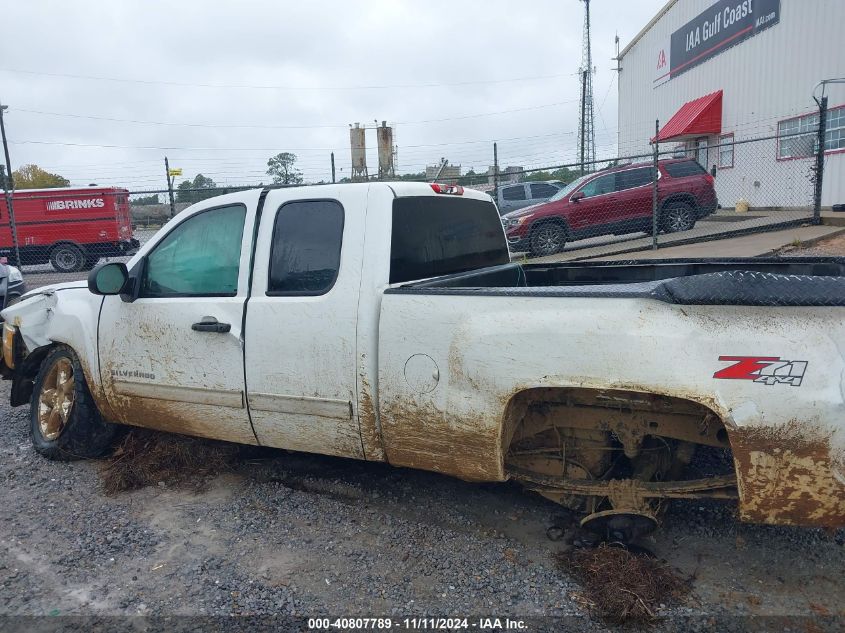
(572, 186)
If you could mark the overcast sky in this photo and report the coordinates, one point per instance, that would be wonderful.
(237, 82)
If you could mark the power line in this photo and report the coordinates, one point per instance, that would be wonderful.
(285, 127)
(183, 84)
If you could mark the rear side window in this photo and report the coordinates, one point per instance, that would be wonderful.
(305, 254)
(634, 178)
(435, 236)
(513, 193)
(684, 168)
(542, 190)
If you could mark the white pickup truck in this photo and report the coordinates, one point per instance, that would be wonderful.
(386, 322)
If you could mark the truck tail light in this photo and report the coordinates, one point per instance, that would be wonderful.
(452, 190)
(709, 178)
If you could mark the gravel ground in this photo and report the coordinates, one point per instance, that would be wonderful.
(293, 534)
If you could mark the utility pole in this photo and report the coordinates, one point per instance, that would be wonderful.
(495, 167)
(8, 188)
(169, 187)
(333, 180)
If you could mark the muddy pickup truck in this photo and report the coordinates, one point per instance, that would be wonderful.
(386, 322)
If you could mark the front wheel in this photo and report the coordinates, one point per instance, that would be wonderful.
(676, 217)
(64, 421)
(547, 239)
(67, 258)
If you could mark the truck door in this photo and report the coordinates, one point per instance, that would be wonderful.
(172, 359)
(301, 321)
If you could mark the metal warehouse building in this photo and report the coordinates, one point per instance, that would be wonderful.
(717, 74)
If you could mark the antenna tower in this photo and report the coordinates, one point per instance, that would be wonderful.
(586, 131)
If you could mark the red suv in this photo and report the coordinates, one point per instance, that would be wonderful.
(614, 201)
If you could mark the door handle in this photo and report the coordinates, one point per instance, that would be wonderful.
(210, 324)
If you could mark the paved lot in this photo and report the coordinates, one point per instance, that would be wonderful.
(723, 223)
(286, 533)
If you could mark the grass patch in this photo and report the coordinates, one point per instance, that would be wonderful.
(622, 586)
(146, 458)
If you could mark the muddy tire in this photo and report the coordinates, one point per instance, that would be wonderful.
(547, 239)
(64, 421)
(676, 217)
(67, 258)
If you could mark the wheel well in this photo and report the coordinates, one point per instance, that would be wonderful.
(66, 243)
(619, 412)
(686, 198)
(550, 220)
(25, 373)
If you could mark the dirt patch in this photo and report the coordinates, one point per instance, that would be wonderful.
(621, 585)
(830, 247)
(147, 458)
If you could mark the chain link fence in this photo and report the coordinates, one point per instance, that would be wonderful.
(680, 193)
(676, 195)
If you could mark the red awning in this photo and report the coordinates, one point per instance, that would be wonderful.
(699, 117)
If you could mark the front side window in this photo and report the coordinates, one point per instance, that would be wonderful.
(514, 193)
(305, 255)
(600, 186)
(199, 258)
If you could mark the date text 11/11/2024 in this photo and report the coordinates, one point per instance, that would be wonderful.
(416, 624)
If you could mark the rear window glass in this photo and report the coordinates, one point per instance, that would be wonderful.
(543, 190)
(514, 193)
(684, 168)
(435, 236)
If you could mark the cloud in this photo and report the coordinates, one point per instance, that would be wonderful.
(335, 58)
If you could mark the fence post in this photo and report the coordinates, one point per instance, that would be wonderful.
(654, 188)
(819, 168)
(9, 191)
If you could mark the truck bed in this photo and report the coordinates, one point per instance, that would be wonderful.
(799, 281)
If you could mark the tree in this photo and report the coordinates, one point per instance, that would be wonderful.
(187, 191)
(33, 177)
(145, 200)
(282, 167)
(563, 174)
(419, 176)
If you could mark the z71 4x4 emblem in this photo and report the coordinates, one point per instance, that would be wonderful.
(769, 370)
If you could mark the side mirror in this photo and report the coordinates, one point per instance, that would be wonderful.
(578, 195)
(108, 279)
